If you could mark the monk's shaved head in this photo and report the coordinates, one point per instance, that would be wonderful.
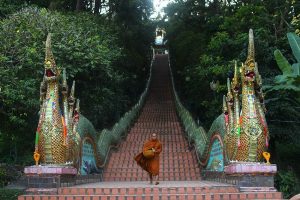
(153, 136)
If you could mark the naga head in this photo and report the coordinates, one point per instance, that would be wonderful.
(258, 88)
(77, 111)
(248, 69)
(43, 88)
(72, 95)
(229, 95)
(42, 91)
(51, 71)
(258, 81)
(225, 109)
(235, 81)
(64, 85)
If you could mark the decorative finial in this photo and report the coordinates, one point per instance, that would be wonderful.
(224, 105)
(49, 59)
(78, 105)
(51, 71)
(72, 95)
(77, 111)
(64, 85)
(250, 62)
(43, 87)
(257, 76)
(228, 85)
(236, 79)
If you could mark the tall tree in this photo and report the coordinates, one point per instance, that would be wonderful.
(98, 5)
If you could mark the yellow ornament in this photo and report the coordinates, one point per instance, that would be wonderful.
(267, 157)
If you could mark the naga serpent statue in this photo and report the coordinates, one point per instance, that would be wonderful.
(57, 140)
(60, 131)
(64, 136)
(246, 131)
(240, 133)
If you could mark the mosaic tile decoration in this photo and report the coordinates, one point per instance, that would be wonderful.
(87, 155)
(216, 160)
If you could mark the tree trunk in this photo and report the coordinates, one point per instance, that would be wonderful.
(97, 6)
(282, 23)
(79, 6)
(216, 6)
(202, 14)
(110, 9)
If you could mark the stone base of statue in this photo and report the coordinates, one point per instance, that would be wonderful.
(248, 176)
(252, 176)
(47, 178)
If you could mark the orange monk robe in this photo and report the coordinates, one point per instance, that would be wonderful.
(150, 165)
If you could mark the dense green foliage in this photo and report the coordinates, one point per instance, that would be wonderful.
(108, 58)
(10, 194)
(204, 39)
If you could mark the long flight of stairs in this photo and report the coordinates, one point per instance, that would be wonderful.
(158, 116)
(179, 172)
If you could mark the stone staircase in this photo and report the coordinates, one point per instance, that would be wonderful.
(158, 116)
(179, 170)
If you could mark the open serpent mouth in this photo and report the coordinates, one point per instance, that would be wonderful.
(76, 116)
(235, 89)
(64, 89)
(71, 101)
(249, 74)
(230, 102)
(43, 91)
(258, 90)
(49, 73)
(262, 101)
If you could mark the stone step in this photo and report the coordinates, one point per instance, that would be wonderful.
(174, 196)
(139, 150)
(164, 146)
(163, 158)
(144, 174)
(138, 169)
(162, 133)
(147, 190)
(136, 179)
(177, 143)
(182, 162)
(178, 153)
(179, 164)
(143, 140)
(133, 164)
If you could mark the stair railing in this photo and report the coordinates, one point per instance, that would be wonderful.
(197, 136)
(111, 138)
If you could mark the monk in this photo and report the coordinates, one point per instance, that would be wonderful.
(151, 165)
